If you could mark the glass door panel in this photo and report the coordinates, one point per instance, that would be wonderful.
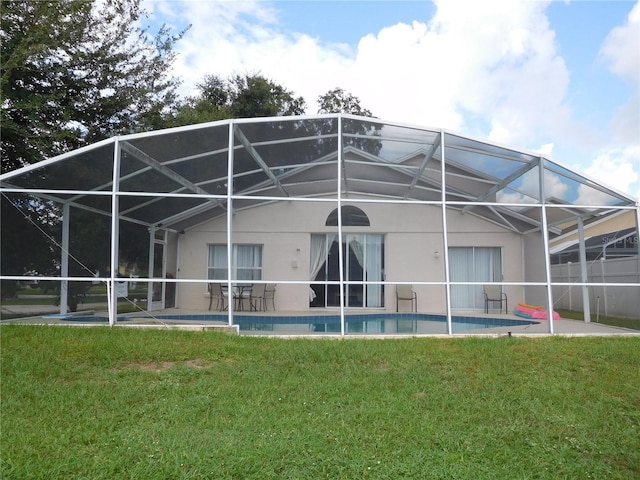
(354, 270)
(473, 264)
(363, 260)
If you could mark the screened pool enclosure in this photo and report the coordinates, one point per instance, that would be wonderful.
(335, 212)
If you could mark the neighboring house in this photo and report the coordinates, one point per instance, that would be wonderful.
(615, 236)
(335, 209)
(611, 261)
(622, 243)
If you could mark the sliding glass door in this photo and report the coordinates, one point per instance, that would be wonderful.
(473, 264)
(363, 261)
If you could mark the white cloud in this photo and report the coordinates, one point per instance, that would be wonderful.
(618, 164)
(527, 189)
(227, 37)
(489, 69)
(546, 149)
(619, 169)
(621, 49)
(495, 60)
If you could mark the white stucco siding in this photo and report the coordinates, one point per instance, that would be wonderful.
(412, 236)
(534, 268)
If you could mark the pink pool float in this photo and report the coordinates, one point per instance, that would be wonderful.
(533, 311)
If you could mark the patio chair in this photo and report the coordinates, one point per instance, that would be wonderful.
(406, 293)
(270, 295)
(257, 297)
(494, 294)
(215, 291)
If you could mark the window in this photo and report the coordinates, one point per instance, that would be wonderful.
(246, 261)
(473, 264)
(351, 217)
(363, 261)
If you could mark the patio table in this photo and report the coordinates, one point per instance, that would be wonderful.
(241, 292)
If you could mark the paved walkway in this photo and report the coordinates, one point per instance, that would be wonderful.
(562, 326)
(44, 309)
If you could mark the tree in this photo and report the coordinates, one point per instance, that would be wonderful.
(239, 96)
(24, 247)
(256, 96)
(74, 72)
(341, 101)
(360, 134)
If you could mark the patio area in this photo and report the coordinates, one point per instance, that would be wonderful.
(370, 323)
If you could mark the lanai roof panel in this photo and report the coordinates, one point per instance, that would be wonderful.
(83, 169)
(298, 157)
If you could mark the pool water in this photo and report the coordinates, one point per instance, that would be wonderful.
(387, 323)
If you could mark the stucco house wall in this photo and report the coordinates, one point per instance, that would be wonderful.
(413, 235)
(534, 269)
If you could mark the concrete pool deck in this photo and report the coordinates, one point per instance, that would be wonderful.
(161, 318)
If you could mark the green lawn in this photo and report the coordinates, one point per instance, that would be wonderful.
(633, 323)
(122, 403)
(37, 296)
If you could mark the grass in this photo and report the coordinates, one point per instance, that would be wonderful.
(121, 403)
(36, 298)
(604, 319)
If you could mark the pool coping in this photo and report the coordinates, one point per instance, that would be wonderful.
(562, 327)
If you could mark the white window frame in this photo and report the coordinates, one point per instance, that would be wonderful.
(254, 269)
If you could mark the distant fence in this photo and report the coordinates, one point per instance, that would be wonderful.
(612, 300)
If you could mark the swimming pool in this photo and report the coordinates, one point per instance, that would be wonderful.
(88, 318)
(387, 323)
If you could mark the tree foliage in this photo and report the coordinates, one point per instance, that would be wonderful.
(360, 134)
(341, 101)
(238, 96)
(256, 96)
(24, 247)
(75, 72)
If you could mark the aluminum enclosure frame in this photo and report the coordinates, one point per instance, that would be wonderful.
(173, 180)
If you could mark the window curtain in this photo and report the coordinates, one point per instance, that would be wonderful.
(374, 269)
(368, 252)
(357, 248)
(217, 262)
(461, 270)
(488, 268)
(248, 260)
(473, 264)
(319, 244)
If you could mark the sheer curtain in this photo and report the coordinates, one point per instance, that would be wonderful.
(318, 259)
(355, 242)
(217, 263)
(319, 244)
(248, 260)
(461, 270)
(318, 254)
(473, 264)
(374, 269)
(368, 250)
(488, 268)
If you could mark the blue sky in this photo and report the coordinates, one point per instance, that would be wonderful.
(557, 77)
